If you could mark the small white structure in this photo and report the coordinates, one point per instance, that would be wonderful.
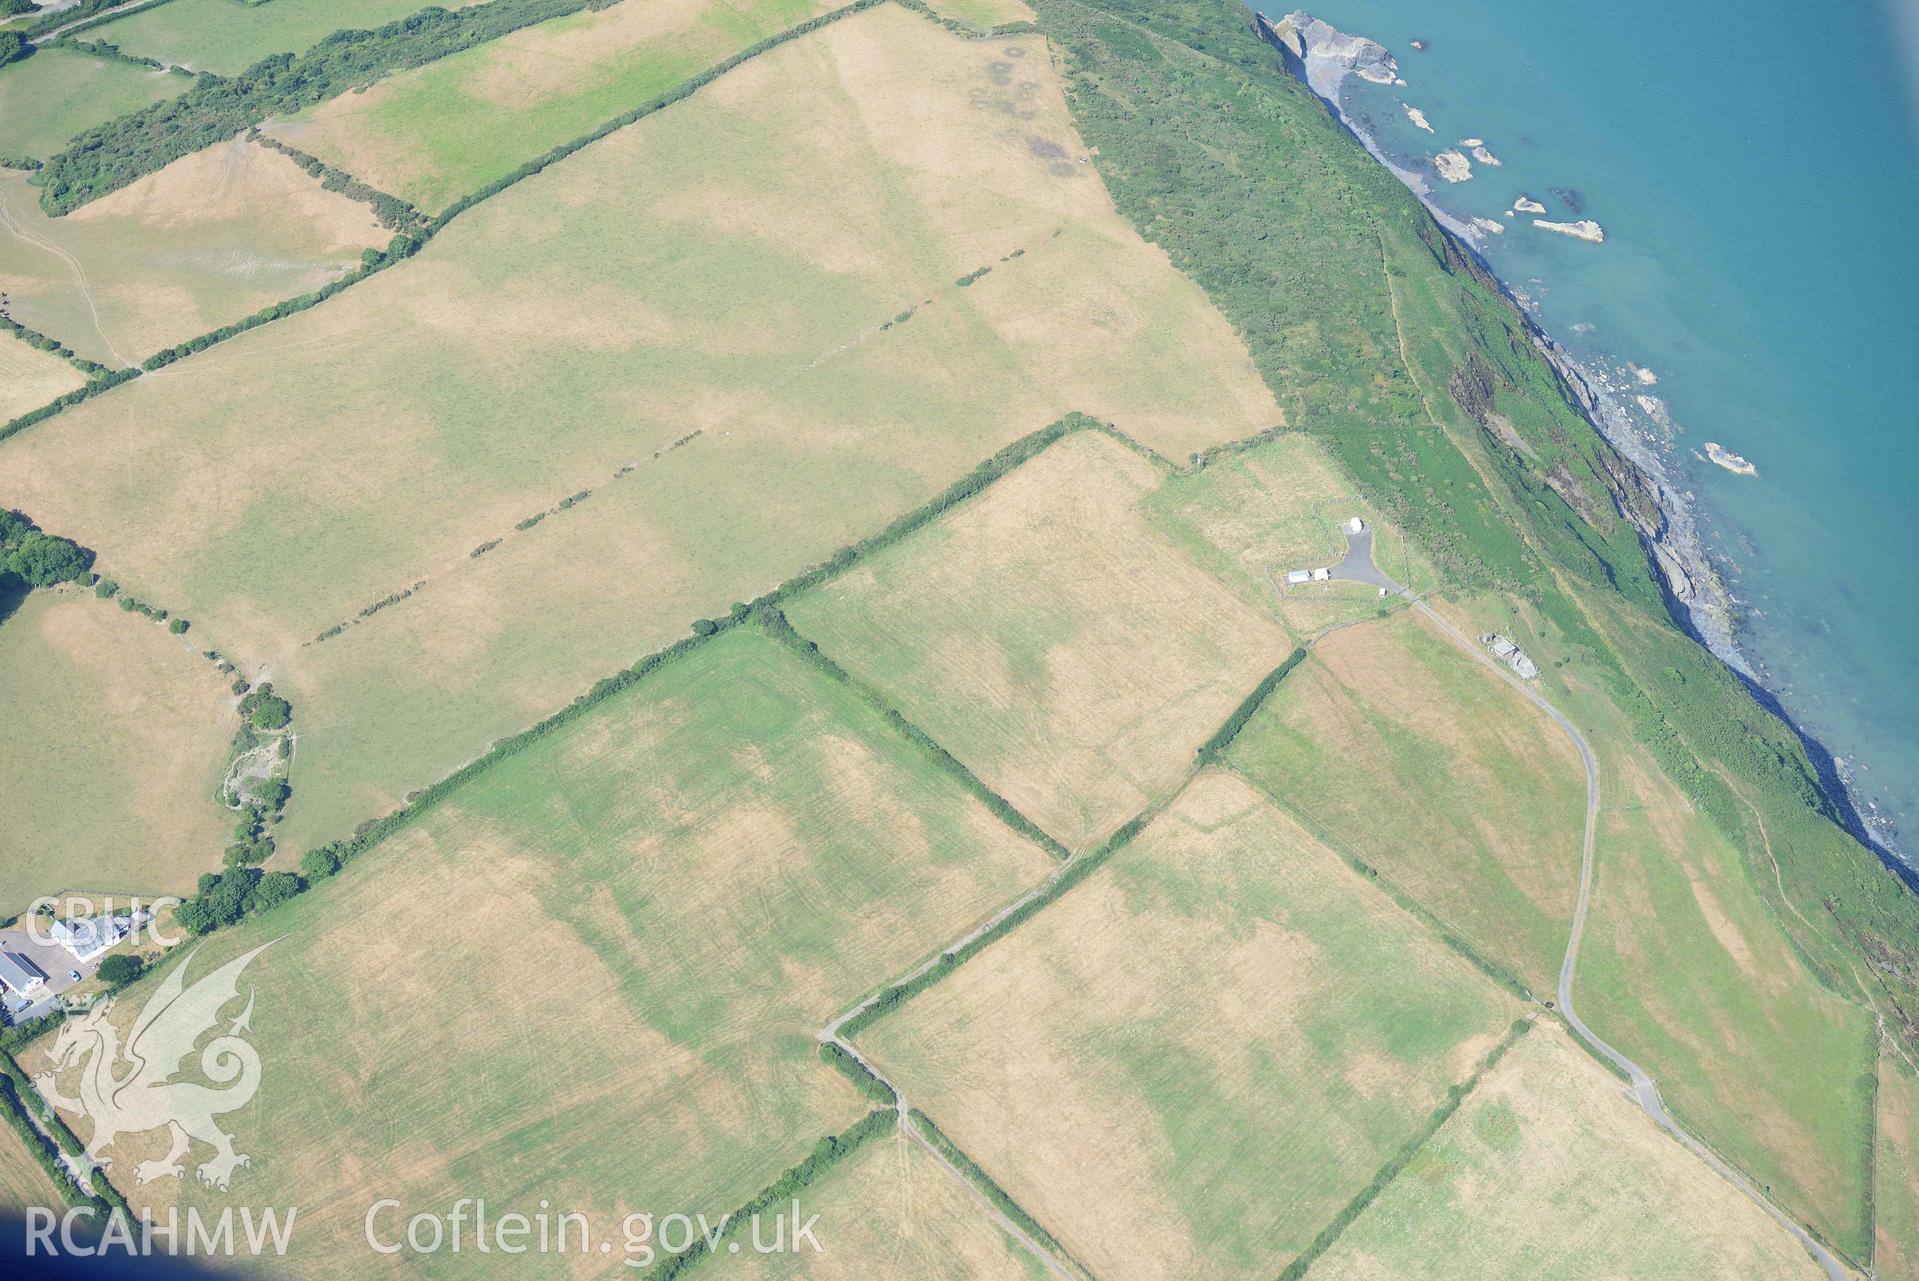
(22, 977)
(1322, 576)
(1355, 526)
(1298, 576)
(88, 937)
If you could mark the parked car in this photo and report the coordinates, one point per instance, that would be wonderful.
(73, 976)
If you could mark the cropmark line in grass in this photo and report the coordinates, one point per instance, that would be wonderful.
(405, 245)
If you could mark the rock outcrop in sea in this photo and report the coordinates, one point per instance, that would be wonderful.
(1324, 57)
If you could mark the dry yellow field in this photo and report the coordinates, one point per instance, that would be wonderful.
(211, 238)
(1550, 1170)
(1190, 1062)
(23, 1181)
(595, 973)
(1047, 636)
(733, 266)
(30, 378)
(890, 1213)
(116, 736)
(1416, 759)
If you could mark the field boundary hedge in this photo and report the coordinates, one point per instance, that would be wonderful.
(405, 245)
(1456, 1096)
(775, 625)
(1002, 1199)
(826, 1154)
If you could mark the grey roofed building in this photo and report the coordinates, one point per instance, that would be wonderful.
(87, 937)
(21, 976)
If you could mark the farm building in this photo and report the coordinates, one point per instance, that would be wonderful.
(21, 976)
(1298, 576)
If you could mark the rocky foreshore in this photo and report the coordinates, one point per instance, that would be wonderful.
(1323, 57)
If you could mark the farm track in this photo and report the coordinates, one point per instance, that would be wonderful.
(1645, 1091)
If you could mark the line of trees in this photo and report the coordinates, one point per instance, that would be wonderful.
(393, 213)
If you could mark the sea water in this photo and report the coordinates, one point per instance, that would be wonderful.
(1755, 167)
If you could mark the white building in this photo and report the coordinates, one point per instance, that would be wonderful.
(1298, 576)
(88, 937)
(1322, 576)
(1356, 526)
(22, 977)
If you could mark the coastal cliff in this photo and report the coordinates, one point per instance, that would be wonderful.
(1642, 493)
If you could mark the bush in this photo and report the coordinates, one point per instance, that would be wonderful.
(266, 710)
(121, 969)
(42, 560)
(105, 588)
(272, 793)
(177, 626)
(318, 864)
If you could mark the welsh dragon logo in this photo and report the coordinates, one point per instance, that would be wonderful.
(129, 1089)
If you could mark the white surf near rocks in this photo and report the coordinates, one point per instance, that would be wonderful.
(1584, 229)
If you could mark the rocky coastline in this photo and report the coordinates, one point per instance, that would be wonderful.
(1323, 57)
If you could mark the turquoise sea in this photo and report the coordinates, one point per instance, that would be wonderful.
(1755, 167)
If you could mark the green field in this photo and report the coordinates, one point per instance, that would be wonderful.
(116, 739)
(438, 132)
(1895, 1200)
(227, 38)
(1688, 966)
(57, 93)
(595, 974)
(1411, 756)
(211, 238)
(706, 271)
(1550, 1170)
(1688, 973)
(1051, 640)
(1190, 1062)
(890, 1213)
(1252, 516)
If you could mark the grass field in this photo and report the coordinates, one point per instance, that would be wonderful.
(1050, 639)
(594, 974)
(23, 1180)
(435, 133)
(984, 13)
(711, 269)
(224, 37)
(1189, 1063)
(890, 1213)
(209, 239)
(1550, 1170)
(1896, 1166)
(116, 736)
(1252, 516)
(1414, 758)
(1686, 969)
(57, 93)
(30, 377)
